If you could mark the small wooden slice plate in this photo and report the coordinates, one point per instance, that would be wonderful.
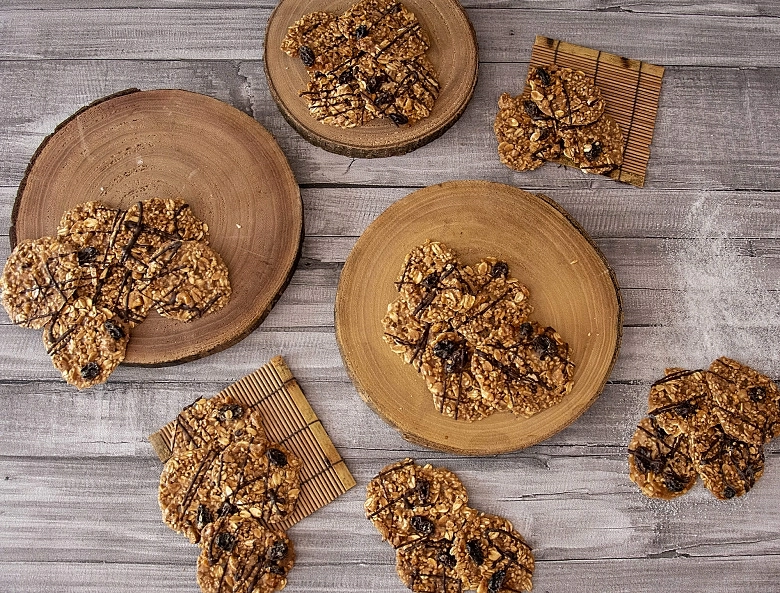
(572, 289)
(167, 143)
(453, 53)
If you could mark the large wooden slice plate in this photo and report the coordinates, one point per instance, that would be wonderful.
(453, 54)
(572, 289)
(141, 144)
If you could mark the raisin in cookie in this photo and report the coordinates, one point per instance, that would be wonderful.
(408, 503)
(428, 566)
(216, 422)
(260, 477)
(434, 283)
(681, 402)
(526, 137)
(491, 556)
(86, 343)
(532, 374)
(660, 463)
(595, 148)
(747, 402)
(241, 555)
(570, 96)
(447, 367)
(500, 307)
(727, 466)
(187, 495)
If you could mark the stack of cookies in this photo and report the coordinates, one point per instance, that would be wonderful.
(441, 544)
(467, 331)
(710, 423)
(366, 63)
(563, 115)
(227, 487)
(103, 273)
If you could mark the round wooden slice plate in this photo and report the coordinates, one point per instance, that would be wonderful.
(171, 143)
(572, 289)
(453, 53)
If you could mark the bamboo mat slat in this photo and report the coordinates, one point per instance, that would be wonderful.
(631, 89)
(288, 419)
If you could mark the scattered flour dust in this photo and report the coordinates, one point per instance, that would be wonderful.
(725, 306)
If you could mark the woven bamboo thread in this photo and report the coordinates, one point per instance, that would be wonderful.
(631, 89)
(288, 419)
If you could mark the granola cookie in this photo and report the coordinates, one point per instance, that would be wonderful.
(428, 566)
(241, 555)
(406, 335)
(86, 343)
(119, 290)
(681, 402)
(215, 422)
(316, 39)
(447, 367)
(526, 137)
(595, 148)
(188, 279)
(570, 96)
(403, 91)
(727, 466)
(336, 99)
(500, 307)
(91, 227)
(384, 29)
(434, 283)
(532, 374)
(258, 476)
(747, 402)
(409, 503)
(660, 463)
(491, 556)
(187, 495)
(39, 278)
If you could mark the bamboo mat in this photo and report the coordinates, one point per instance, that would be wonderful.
(631, 89)
(289, 420)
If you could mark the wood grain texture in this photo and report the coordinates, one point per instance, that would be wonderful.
(696, 253)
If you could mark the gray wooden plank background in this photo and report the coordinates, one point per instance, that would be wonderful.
(696, 252)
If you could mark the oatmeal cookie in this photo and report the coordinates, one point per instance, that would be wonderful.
(532, 374)
(316, 39)
(189, 500)
(727, 466)
(91, 227)
(500, 307)
(446, 365)
(406, 335)
(39, 278)
(595, 148)
(491, 556)
(119, 290)
(434, 283)
(384, 29)
(148, 226)
(86, 343)
(526, 137)
(409, 503)
(216, 422)
(428, 566)
(337, 100)
(241, 555)
(681, 402)
(660, 463)
(403, 91)
(258, 476)
(187, 279)
(570, 96)
(747, 402)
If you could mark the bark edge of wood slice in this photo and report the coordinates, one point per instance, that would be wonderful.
(572, 289)
(135, 145)
(453, 53)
